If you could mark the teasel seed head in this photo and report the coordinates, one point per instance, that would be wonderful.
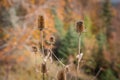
(34, 49)
(43, 67)
(41, 23)
(79, 27)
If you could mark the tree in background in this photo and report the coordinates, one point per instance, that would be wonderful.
(68, 44)
(105, 43)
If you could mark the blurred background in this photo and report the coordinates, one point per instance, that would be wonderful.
(99, 44)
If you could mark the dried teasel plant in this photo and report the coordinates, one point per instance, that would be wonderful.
(79, 29)
(62, 74)
(51, 41)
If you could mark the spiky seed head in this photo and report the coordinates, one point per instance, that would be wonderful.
(79, 27)
(41, 23)
(43, 67)
(34, 49)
